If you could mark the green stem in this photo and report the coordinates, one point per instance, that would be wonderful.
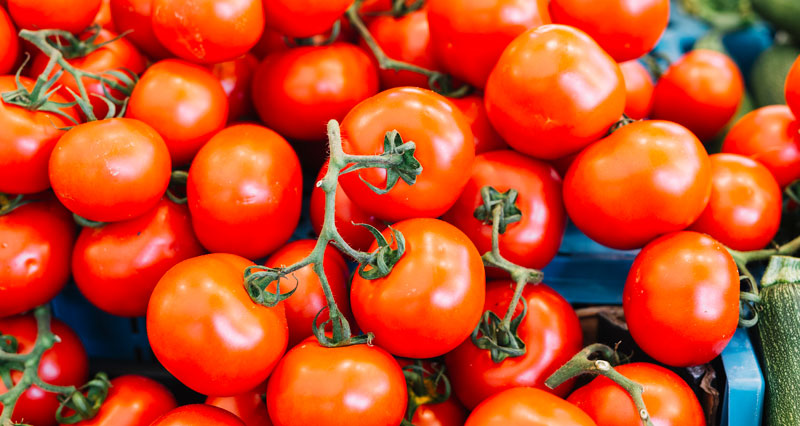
(743, 258)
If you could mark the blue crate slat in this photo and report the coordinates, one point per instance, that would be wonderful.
(743, 400)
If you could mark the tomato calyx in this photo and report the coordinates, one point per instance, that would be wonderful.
(176, 190)
(37, 99)
(72, 47)
(397, 158)
(622, 122)
(423, 387)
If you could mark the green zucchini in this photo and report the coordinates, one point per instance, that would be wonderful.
(783, 14)
(769, 73)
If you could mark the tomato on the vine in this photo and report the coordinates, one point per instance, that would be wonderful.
(134, 17)
(303, 18)
(132, 401)
(484, 135)
(447, 413)
(527, 406)
(9, 41)
(236, 77)
(198, 415)
(639, 89)
(103, 17)
(249, 407)
(67, 15)
(792, 88)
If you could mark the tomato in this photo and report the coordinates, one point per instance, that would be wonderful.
(27, 139)
(134, 16)
(244, 191)
(669, 400)
(198, 415)
(65, 364)
(701, 90)
(249, 407)
(201, 303)
(484, 135)
(626, 29)
(10, 43)
(534, 240)
(541, 113)
(308, 299)
(298, 90)
(132, 401)
(67, 15)
(447, 413)
(117, 266)
(527, 407)
(103, 17)
(235, 77)
(315, 385)
(792, 88)
(271, 41)
(469, 36)
(184, 102)
(745, 206)
(646, 179)
(681, 299)
(444, 147)
(110, 170)
(770, 135)
(429, 303)
(638, 89)
(208, 31)
(303, 18)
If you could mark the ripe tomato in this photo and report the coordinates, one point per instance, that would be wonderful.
(110, 170)
(484, 135)
(132, 401)
(626, 29)
(235, 77)
(536, 109)
(184, 102)
(65, 364)
(198, 415)
(792, 88)
(271, 41)
(103, 17)
(208, 31)
(527, 407)
(201, 303)
(552, 335)
(701, 90)
(303, 18)
(429, 303)
(681, 299)
(27, 139)
(660, 165)
(359, 384)
(770, 135)
(533, 241)
(444, 147)
(117, 266)
(67, 15)
(447, 413)
(638, 89)
(248, 406)
(669, 400)
(134, 16)
(244, 191)
(10, 43)
(744, 210)
(469, 36)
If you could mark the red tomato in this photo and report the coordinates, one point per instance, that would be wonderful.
(27, 139)
(10, 43)
(184, 102)
(527, 407)
(792, 88)
(103, 17)
(359, 384)
(132, 401)
(110, 170)
(770, 135)
(533, 241)
(208, 31)
(298, 90)
(134, 16)
(198, 415)
(117, 266)
(638, 89)
(235, 77)
(244, 191)
(701, 90)
(552, 335)
(271, 41)
(429, 303)
(249, 407)
(303, 18)
(485, 136)
(626, 29)
(660, 165)
(65, 364)
(444, 147)
(541, 113)
(681, 299)
(201, 303)
(745, 206)
(469, 36)
(67, 15)
(447, 413)
(669, 400)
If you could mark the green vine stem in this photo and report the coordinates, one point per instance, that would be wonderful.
(399, 162)
(7, 205)
(596, 359)
(176, 191)
(423, 388)
(743, 258)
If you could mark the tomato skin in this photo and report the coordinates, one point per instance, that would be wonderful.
(188, 314)
(744, 210)
(235, 77)
(249, 407)
(484, 135)
(65, 15)
(184, 102)
(669, 400)
(444, 148)
(117, 266)
(792, 88)
(404, 39)
(103, 17)
(538, 111)
(527, 407)
(198, 415)
(428, 304)
(447, 413)
(639, 89)
(469, 36)
(770, 135)
(701, 91)
(65, 364)
(132, 401)
(244, 191)
(359, 384)
(303, 18)
(9, 41)
(659, 164)
(681, 299)
(135, 16)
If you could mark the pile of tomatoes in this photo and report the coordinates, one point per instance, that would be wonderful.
(227, 103)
